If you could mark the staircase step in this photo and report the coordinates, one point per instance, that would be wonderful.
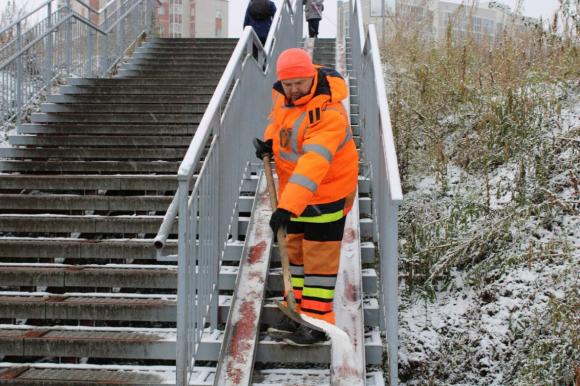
(154, 87)
(144, 52)
(84, 183)
(36, 374)
(99, 167)
(128, 108)
(95, 307)
(228, 276)
(107, 129)
(51, 248)
(116, 118)
(88, 141)
(50, 202)
(124, 153)
(144, 81)
(33, 374)
(218, 46)
(176, 67)
(176, 50)
(153, 343)
(130, 98)
(82, 167)
(189, 75)
(86, 224)
(113, 306)
(215, 60)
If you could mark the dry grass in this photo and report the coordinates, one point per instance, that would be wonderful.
(483, 109)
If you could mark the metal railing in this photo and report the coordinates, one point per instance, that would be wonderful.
(65, 43)
(206, 201)
(379, 152)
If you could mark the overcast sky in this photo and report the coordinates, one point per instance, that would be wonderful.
(533, 8)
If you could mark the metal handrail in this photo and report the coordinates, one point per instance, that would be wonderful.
(205, 204)
(378, 149)
(24, 17)
(31, 65)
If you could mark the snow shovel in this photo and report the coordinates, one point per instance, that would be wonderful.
(289, 309)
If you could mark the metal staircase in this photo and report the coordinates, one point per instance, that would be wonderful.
(125, 192)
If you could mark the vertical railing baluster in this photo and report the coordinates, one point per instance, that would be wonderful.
(68, 38)
(183, 313)
(48, 47)
(19, 80)
(90, 48)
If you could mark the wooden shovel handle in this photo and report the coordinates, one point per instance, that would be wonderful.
(287, 276)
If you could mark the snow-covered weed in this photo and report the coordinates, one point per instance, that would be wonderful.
(488, 139)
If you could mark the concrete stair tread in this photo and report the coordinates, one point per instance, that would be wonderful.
(88, 182)
(154, 98)
(228, 274)
(86, 224)
(103, 153)
(154, 343)
(114, 306)
(87, 374)
(160, 118)
(81, 248)
(121, 82)
(58, 202)
(67, 167)
(106, 129)
(89, 141)
(124, 108)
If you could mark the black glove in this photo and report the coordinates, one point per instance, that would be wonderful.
(280, 218)
(263, 148)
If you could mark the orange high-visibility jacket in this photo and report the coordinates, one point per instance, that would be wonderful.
(315, 154)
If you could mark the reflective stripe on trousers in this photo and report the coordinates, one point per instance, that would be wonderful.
(314, 252)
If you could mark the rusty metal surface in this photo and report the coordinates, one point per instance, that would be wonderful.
(348, 366)
(240, 345)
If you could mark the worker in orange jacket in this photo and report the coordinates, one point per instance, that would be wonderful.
(317, 165)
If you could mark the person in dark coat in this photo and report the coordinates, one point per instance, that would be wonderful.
(259, 15)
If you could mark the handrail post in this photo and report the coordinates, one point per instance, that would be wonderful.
(48, 51)
(390, 285)
(19, 75)
(149, 16)
(68, 39)
(183, 313)
(90, 48)
(118, 31)
(105, 50)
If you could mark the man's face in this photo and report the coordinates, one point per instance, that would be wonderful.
(296, 88)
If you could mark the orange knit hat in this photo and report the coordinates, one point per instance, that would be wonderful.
(294, 63)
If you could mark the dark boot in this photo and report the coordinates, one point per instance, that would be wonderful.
(285, 327)
(305, 336)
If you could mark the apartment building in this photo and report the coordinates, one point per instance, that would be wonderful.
(84, 11)
(483, 20)
(193, 18)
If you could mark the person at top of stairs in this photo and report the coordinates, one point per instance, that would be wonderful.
(317, 166)
(259, 15)
(313, 14)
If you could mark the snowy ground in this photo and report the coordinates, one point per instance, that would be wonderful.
(507, 314)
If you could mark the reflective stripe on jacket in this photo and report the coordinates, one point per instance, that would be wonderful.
(315, 154)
